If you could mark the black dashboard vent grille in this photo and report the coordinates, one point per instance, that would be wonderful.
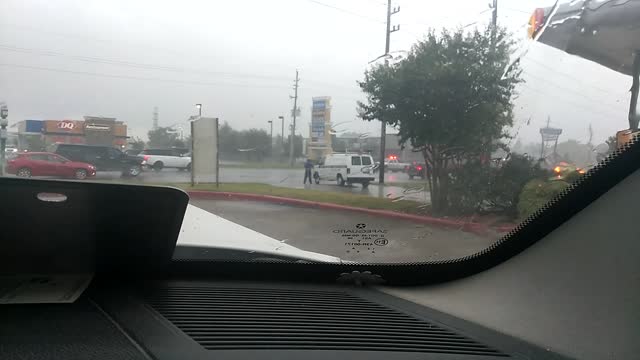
(222, 318)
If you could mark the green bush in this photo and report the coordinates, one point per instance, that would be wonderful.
(509, 181)
(483, 187)
(536, 193)
(468, 187)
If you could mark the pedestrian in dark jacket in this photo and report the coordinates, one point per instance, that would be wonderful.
(308, 166)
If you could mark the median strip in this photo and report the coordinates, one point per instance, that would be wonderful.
(398, 209)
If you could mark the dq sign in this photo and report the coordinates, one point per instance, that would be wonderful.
(66, 125)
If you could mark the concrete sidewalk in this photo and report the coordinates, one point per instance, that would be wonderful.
(350, 236)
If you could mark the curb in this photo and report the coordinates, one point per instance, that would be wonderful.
(475, 228)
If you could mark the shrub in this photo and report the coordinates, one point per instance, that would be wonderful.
(509, 181)
(483, 187)
(536, 193)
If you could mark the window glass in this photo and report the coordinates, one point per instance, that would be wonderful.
(39, 157)
(500, 117)
(113, 153)
(55, 158)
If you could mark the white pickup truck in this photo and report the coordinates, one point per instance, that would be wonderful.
(394, 165)
(159, 159)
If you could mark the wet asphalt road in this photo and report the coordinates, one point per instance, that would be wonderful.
(323, 231)
(291, 178)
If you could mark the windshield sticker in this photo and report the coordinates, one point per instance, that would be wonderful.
(361, 238)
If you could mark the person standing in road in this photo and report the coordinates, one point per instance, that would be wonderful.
(308, 166)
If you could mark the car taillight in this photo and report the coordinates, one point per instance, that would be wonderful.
(419, 168)
(536, 22)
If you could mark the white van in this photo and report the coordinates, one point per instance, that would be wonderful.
(345, 169)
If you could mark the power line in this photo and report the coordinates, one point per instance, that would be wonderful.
(131, 64)
(115, 62)
(567, 89)
(576, 104)
(90, 39)
(378, 2)
(517, 10)
(252, 85)
(345, 11)
(543, 65)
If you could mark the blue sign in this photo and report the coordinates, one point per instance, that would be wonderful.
(319, 105)
(33, 126)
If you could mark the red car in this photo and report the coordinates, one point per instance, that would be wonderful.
(48, 164)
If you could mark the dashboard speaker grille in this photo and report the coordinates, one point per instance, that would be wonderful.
(223, 318)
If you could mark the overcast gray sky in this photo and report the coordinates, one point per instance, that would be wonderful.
(64, 59)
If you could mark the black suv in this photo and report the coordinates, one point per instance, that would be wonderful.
(104, 158)
(417, 170)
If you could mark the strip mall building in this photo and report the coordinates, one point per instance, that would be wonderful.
(90, 131)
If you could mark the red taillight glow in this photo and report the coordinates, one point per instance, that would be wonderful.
(536, 21)
(419, 168)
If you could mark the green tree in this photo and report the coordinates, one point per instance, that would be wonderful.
(228, 138)
(297, 146)
(136, 143)
(163, 137)
(256, 142)
(450, 99)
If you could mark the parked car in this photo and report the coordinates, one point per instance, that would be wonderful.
(104, 158)
(159, 159)
(345, 169)
(417, 170)
(394, 165)
(47, 164)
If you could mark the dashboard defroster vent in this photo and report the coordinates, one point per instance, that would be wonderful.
(223, 318)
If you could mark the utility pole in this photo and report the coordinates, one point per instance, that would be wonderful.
(494, 24)
(155, 118)
(494, 14)
(383, 126)
(271, 138)
(193, 143)
(4, 112)
(282, 134)
(293, 126)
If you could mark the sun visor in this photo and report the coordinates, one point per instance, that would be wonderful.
(600, 31)
(63, 227)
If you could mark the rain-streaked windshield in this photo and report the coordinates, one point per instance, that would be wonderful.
(380, 131)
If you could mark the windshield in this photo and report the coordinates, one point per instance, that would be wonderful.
(315, 129)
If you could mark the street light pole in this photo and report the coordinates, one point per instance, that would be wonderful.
(193, 141)
(282, 131)
(293, 126)
(271, 138)
(4, 112)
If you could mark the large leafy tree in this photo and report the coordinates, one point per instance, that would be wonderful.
(450, 99)
(164, 137)
(136, 143)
